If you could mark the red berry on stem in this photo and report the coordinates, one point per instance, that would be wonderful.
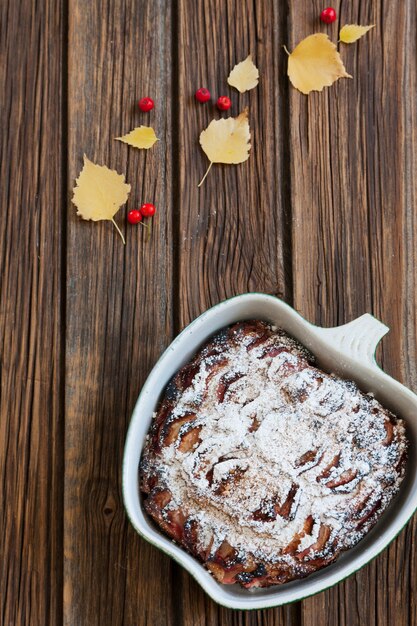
(147, 209)
(224, 103)
(328, 15)
(134, 216)
(202, 94)
(146, 104)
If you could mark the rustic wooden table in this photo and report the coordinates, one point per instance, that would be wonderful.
(322, 215)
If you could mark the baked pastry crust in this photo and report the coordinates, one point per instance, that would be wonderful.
(264, 467)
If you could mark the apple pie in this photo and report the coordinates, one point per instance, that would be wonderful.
(261, 465)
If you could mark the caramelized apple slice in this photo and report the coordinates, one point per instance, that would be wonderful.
(225, 382)
(307, 529)
(249, 333)
(190, 439)
(369, 514)
(172, 428)
(161, 497)
(272, 352)
(265, 576)
(186, 375)
(156, 502)
(258, 341)
(225, 552)
(389, 429)
(159, 424)
(254, 425)
(319, 545)
(209, 476)
(253, 576)
(227, 576)
(401, 462)
(226, 484)
(265, 513)
(172, 520)
(344, 478)
(224, 565)
(270, 508)
(360, 505)
(284, 510)
(305, 458)
(215, 368)
(148, 481)
(327, 470)
(176, 520)
(190, 534)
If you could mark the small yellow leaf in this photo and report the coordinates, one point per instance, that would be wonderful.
(140, 137)
(99, 193)
(226, 140)
(353, 32)
(244, 75)
(315, 63)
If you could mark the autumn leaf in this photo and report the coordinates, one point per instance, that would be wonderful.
(140, 137)
(226, 140)
(99, 193)
(352, 32)
(244, 75)
(315, 63)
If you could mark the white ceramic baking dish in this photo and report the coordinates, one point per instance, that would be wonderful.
(347, 350)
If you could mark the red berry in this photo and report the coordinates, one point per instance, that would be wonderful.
(146, 104)
(202, 94)
(134, 216)
(224, 103)
(147, 209)
(328, 15)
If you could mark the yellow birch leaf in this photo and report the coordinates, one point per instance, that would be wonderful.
(99, 193)
(140, 137)
(244, 75)
(352, 32)
(226, 140)
(315, 63)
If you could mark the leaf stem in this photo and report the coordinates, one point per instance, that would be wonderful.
(119, 231)
(205, 175)
(285, 48)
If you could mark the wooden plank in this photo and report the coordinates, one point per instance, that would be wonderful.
(354, 238)
(195, 608)
(231, 230)
(119, 316)
(31, 415)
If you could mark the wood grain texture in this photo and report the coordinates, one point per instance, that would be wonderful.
(351, 202)
(322, 214)
(231, 230)
(119, 316)
(31, 415)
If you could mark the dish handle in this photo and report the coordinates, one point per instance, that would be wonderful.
(359, 338)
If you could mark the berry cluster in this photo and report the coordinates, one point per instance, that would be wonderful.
(136, 215)
(203, 95)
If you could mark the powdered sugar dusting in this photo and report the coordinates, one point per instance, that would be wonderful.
(282, 451)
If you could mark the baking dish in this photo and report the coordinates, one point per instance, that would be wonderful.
(347, 350)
